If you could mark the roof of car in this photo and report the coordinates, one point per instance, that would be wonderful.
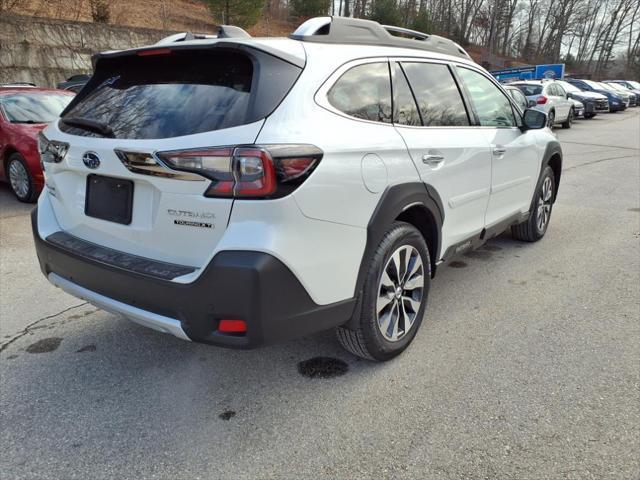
(528, 82)
(345, 38)
(4, 90)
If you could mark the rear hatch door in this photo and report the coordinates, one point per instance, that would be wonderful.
(112, 190)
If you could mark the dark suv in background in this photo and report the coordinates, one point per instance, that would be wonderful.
(616, 103)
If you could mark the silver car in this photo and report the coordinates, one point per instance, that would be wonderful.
(549, 97)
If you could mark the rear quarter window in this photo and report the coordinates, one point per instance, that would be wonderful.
(364, 92)
(181, 93)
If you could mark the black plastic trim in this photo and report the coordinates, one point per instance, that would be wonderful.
(393, 202)
(114, 258)
(553, 148)
(251, 286)
(476, 241)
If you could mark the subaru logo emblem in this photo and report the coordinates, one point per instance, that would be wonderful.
(91, 160)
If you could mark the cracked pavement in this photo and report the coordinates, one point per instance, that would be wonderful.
(527, 365)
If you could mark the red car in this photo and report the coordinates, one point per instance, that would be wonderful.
(24, 112)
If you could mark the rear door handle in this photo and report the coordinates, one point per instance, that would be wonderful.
(497, 151)
(432, 160)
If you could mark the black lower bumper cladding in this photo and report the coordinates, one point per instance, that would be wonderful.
(251, 286)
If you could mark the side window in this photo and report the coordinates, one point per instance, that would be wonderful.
(492, 107)
(560, 90)
(405, 111)
(520, 99)
(553, 91)
(364, 92)
(437, 94)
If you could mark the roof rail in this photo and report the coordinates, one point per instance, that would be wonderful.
(224, 31)
(355, 31)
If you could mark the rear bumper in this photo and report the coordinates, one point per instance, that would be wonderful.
(251, 286)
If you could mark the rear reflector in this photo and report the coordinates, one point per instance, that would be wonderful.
(232, 326)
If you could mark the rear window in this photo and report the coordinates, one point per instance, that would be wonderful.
(181, 93)
(33, 107)
(530, 90)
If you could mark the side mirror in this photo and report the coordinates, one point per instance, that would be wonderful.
(534, 119)
(532, 103)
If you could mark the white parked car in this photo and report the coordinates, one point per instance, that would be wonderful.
(550, 98)
(239, 191)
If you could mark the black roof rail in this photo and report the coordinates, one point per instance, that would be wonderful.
(356, 31)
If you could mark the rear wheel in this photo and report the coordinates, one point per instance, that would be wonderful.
(534, 228)
(551, 119)
(567, 123)
(394, 296)
(589, 116)
(20, 179)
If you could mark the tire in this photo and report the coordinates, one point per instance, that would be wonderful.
(20, 180)
(390, 314)
(551, 120)
(569, 120)
(588, 116)
(533, 228)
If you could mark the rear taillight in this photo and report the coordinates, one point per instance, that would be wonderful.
(268, 171)
(541, 100)
(51, 151)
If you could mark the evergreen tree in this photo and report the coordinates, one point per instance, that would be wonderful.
(310, 8)
(242, 13)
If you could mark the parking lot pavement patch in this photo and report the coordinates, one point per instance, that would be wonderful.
(634, 209)
(479, 254)
(458, 264)
(45, 345)
(87, 348)
(322, 367)
(227, 415)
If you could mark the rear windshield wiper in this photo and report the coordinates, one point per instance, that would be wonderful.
(89, 125)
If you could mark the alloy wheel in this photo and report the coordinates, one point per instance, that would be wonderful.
(543, 211)
(19, 178)
(400, 293)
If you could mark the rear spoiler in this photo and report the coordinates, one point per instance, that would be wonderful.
(246, 44)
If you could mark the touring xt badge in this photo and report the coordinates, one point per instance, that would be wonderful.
(187, 218)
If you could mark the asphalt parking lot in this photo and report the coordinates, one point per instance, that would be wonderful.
(527, 365)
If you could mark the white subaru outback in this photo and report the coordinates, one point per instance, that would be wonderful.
(239, 191)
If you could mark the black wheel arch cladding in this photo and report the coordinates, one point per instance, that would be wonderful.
(553, 158)
(394, 202)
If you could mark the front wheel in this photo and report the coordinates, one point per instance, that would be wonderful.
(394, 296)
(535, 226)
(20, 179)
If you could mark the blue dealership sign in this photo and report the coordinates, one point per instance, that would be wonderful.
(555, 70)
(531, 72)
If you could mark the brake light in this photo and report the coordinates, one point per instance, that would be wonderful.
(268, 171)
(154, 52)
(542, 100)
